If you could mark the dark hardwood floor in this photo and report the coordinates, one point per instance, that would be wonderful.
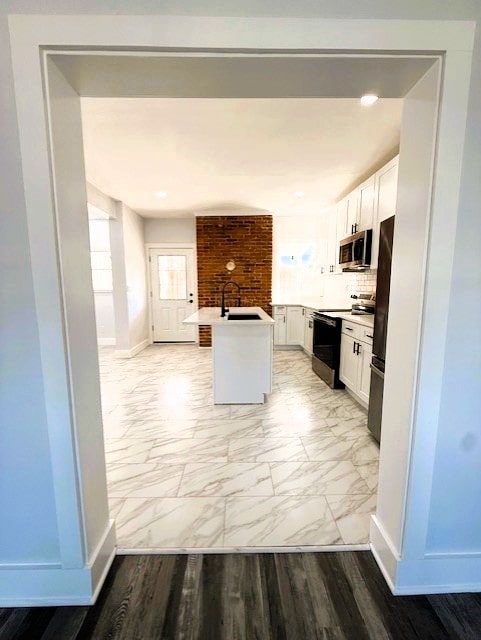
(295, 596)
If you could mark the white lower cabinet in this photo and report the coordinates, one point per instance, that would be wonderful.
(289, 326)
(308, 332)
(356, 355)
(348, 371)
(295, 326)
(365, 356)
(280, 328)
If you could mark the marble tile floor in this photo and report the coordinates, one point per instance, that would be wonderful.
(183, 473)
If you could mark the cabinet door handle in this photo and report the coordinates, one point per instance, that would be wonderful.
(354, 347)
(284, 319)
(358, 348)
(368, 336)
(349, 329)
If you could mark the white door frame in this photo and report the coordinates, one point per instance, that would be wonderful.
(169, 245)
(31, 36)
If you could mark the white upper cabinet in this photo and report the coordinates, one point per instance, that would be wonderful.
(342, 212)
(341, 217)
(366, 192)
(332, 244)
(352, 222)
(364, 208)
(385, 195)
(386, 190)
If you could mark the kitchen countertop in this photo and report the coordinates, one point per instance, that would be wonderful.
(309, 303)
(364, 320)
(211, 316)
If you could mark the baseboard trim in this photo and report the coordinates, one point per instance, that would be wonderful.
(106, 342)
(288, 347)
(53, 587)
(130, 353)
(101, 559)
(384, 552)
(430, 574)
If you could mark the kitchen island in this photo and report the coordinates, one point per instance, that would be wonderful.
(241, 353)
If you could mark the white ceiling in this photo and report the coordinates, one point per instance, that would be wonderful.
(233, 155)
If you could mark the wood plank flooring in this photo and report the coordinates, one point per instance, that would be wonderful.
(299, 596)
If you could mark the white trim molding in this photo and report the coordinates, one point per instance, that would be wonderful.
(130, 353)
(50, 586)
(76, 581)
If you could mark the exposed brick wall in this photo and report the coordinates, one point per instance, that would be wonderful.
(248, 241)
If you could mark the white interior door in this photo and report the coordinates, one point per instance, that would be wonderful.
(172, 277)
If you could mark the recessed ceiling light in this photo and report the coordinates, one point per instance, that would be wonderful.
(161, 194)
(369, 99)
(299, 194)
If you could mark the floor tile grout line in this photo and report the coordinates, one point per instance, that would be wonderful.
(332, 515)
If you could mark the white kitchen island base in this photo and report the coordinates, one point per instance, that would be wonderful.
(242, 361)
(241, 354)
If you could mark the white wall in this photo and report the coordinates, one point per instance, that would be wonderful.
(135, 273)
(130, 281)
(169, 230)
(105, 317)
(294, 233)
(455, 514)
(122, 314)
(100, 200)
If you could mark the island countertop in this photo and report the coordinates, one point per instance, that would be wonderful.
(211, 316)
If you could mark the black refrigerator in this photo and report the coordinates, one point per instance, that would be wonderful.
(383, 284)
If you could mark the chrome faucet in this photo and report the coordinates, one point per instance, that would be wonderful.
(224, 309)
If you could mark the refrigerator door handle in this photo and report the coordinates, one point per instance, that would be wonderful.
(377, 371)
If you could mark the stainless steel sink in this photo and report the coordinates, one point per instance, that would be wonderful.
(243, 316)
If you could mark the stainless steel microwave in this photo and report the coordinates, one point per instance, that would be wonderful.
(355, 251)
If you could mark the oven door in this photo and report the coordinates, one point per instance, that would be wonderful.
(326, 349)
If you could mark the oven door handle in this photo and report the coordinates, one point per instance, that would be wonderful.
(377, 371)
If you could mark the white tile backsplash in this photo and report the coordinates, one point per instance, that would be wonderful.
(362, 282)
(339, 288)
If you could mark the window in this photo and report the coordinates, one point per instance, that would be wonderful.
(172, 277)
(101, 270)
(296, 255)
